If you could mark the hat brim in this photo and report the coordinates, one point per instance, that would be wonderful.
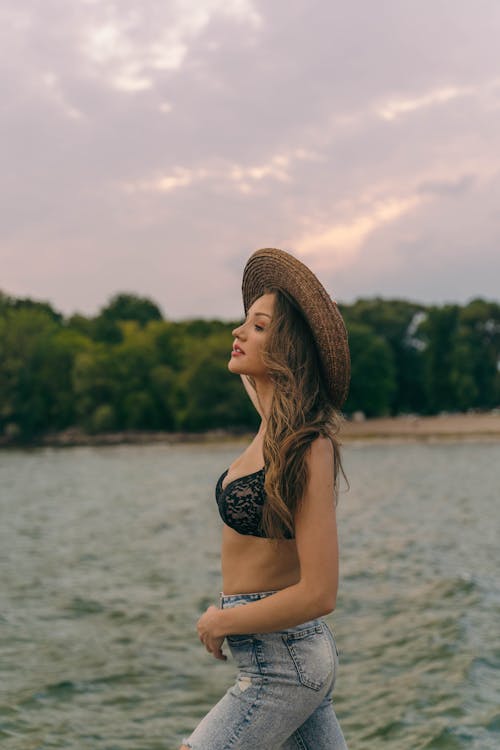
(271, 267)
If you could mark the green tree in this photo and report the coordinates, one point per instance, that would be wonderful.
(26, 303)
(440, 331)
(81, 324)
(130, 369)
(372, 372)
(123, 386)
(165, 393)
(139, 405)
(199, 328)
(171, 344)
(215, 397)
(55, 373)
(124, 307)
(95, 384)
(475, 370)
(392, 320)
(29, 395)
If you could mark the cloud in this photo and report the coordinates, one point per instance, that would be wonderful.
(50, 82)
(338, 244)
(446, 249)
(128, 50)
(179, 178)
(158, 144)
(394, 108)
(245, 178)
(453, 186)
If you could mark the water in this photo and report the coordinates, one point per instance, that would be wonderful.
(108, 555)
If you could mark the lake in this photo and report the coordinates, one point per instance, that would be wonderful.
(108, 555)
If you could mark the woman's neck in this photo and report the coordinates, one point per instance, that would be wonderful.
(264, 390)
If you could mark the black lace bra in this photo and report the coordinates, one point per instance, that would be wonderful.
(241, 502)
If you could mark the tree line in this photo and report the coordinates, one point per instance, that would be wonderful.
(129, 368)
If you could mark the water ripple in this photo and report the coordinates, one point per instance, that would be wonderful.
(110, 554)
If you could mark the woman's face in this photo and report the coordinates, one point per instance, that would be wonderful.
(250, 337)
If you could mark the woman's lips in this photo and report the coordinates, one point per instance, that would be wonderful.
(237, 353)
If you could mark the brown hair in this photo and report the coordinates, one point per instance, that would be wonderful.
(300, 412)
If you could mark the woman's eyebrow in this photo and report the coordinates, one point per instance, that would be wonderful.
(262, 313)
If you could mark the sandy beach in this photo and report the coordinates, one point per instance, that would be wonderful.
(442, 427)
(485, 426)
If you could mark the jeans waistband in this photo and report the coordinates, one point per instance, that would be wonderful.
(231, 600)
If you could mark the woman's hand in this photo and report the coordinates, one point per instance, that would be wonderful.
(206, 627)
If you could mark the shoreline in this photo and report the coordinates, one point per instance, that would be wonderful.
(413, 428)
(442, 427)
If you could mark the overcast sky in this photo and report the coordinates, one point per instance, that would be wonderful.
(151, 147)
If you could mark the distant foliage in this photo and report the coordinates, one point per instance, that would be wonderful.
(130, 369)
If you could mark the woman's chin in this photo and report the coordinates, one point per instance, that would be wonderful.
(234, 365)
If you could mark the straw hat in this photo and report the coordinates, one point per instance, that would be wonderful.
(271, 267)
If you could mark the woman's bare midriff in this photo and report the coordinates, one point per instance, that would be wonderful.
(251, 563)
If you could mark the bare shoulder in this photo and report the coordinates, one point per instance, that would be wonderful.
(320, 456)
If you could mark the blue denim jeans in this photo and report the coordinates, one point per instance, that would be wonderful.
(282, 694)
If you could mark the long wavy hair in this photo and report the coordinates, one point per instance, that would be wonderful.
(301, 411)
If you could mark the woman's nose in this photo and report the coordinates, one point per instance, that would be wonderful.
(236, 331)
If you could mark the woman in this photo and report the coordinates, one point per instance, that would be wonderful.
(277, 501)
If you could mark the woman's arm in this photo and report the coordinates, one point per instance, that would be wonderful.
(317, 546)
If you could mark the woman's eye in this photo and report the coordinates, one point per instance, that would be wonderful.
(259, 328)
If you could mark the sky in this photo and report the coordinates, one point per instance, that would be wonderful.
(151, 147)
